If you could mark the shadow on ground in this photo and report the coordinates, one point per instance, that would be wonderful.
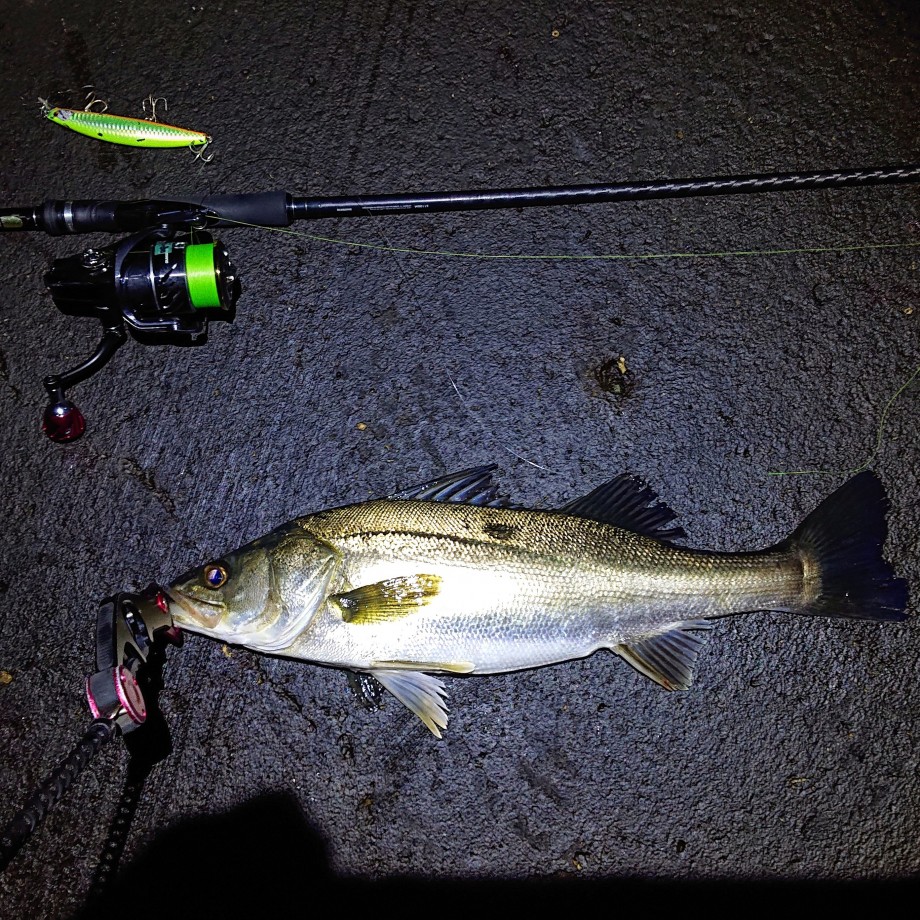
(264, 859)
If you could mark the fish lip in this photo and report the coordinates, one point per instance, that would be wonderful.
(176, 597)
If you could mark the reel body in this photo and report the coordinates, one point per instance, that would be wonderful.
(161, 286)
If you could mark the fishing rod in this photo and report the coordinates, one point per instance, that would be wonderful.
(170, 277)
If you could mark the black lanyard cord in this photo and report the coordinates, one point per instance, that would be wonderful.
(21, 828)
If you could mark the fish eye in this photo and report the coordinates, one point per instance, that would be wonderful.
(215, 576)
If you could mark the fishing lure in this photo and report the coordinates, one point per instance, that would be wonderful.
(131, 132)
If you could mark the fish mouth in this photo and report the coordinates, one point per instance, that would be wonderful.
(190, 609)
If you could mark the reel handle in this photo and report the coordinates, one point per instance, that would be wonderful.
(62, 421)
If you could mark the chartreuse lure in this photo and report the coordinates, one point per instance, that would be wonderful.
(131, 132)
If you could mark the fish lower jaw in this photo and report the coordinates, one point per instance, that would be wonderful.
(188, 615)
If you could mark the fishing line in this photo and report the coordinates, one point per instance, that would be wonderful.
(878, 440)
(482, 425)
(572, 257)
(623, 257)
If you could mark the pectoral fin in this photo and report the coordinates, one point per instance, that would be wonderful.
(668, 657)
(421, 693)
(387, 600)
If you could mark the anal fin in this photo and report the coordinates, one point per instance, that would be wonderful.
(668, 657)
(421, 693)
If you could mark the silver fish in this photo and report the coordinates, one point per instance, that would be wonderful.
(448, 578)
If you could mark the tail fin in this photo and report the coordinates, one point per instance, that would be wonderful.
(843, 539)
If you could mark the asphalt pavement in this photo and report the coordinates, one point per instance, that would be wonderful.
(729, 339)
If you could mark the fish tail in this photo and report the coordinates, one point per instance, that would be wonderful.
(840, 544)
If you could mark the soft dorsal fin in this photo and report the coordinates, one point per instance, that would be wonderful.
(668, 657)
(420, 692)
(627, 502)
(470, 487)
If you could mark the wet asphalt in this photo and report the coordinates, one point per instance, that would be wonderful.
(791, 766)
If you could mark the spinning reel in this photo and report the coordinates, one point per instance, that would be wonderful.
(160, 285)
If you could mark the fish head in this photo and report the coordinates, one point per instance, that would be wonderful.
(261, 595)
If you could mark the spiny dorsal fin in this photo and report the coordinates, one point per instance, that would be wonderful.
(470, 487)
(421, 693)
(388, 600)
(668, 657)
(629, 503)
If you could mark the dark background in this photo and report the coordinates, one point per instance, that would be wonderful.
(351, 372)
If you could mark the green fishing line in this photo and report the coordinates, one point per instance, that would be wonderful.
(635, 257)
(201, 275)
(568, 257)
(878, 440)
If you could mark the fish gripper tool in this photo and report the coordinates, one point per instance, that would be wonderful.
(131, 633)
(127, 627)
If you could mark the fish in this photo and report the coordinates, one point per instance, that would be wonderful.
(450, 578)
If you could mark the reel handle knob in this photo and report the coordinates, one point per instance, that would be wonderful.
(62, 421)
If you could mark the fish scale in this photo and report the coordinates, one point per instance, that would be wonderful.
(420, 584)
(558, 588)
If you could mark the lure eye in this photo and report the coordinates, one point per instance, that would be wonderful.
(215, 576)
